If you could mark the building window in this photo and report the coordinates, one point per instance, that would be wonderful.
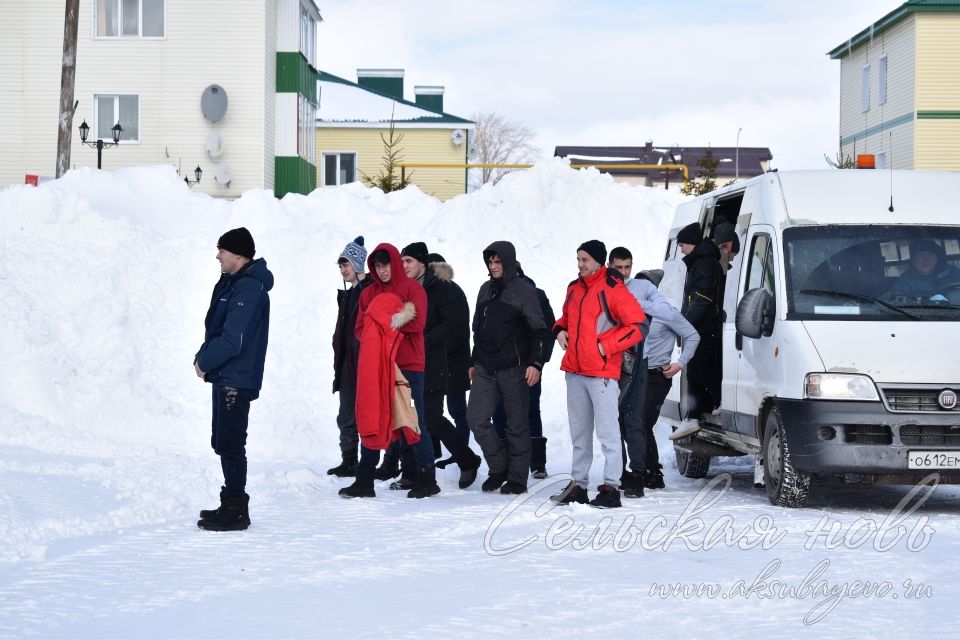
(308, 36)
(339, 168)
(306, 130)
(129, 18)
(109, 109)
(865, 89)
(882, 80)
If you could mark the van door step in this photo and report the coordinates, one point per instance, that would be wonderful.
(706, 449)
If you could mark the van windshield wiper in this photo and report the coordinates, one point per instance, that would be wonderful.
(861, 296)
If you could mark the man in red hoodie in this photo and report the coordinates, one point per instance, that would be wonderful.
(600, 320)
(388, 277)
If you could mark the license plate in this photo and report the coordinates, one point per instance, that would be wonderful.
(933, 459)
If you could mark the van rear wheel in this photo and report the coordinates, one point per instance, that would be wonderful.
(786, 487)
(691, 465)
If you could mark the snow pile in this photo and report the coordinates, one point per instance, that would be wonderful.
(105, 279)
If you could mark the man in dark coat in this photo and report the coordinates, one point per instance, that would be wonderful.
(445, 331)
(346, 349)
(231, 359)
(508, 338)
(538, 444)
(701, 308)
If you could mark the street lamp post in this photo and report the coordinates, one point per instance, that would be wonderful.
(736, 171)
(116, 132)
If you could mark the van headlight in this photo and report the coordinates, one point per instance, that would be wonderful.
(839, 386)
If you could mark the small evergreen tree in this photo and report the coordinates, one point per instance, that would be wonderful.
(388, 180)
(706, 178)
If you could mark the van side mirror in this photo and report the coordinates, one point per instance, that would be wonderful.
(755, 313)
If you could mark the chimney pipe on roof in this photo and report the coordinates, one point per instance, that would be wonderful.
(386, 81)
(429, 97)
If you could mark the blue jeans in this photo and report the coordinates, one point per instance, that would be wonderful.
(423, 450)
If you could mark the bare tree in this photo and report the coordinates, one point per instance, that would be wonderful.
(67, 104)
(499, 140)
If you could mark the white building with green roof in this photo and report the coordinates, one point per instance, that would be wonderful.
(900, 87)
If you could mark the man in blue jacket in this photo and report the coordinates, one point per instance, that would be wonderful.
(231, 359)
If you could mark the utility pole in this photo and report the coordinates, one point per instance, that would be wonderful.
(67, 77)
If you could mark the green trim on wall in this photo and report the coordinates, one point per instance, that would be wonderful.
(938, 115)
(879, 128)
(293, 174)
(295, 75)
(892, 19)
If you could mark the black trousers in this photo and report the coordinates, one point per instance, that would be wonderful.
(231, 411)
(489, 388)
(443, 430)
(703, 378)
(347, 419)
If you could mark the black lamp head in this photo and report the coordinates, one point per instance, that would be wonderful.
(84, 131)
(117, 131)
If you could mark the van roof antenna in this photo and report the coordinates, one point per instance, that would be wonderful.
(891, 171)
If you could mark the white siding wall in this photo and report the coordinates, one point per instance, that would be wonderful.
(288, 35)
(270, 93)
(169, 75)
(288, 110)
(12, 106)
(898, 45)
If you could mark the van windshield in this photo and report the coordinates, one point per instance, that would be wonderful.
(873, 272)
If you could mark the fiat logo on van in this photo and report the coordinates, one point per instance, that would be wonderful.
(947, 399)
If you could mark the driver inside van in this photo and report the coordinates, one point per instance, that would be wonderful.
(929, 272)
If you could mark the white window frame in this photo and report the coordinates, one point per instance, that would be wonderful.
(306, 130)
(865, 88)
(323, 167)
(308, 36)
(120, 36)
(882, 80)
(108, 137)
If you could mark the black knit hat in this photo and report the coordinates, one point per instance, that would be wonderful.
(690, 234)
(435, 257)
(596, 249)
(238, 241)
(416, 250)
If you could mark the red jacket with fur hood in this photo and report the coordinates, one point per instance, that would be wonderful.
(409, 320)
(599, 309)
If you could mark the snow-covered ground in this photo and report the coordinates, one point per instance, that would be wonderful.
(105, 459)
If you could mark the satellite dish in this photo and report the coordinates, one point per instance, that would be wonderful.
(213, 103)
(472, 150)
(458, 136)
(223, 174)
(214, 144)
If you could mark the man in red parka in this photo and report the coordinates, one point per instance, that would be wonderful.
(600, 320)
(388, 277)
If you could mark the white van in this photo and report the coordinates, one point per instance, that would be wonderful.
(832, 364)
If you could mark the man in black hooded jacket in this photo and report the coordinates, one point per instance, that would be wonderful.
(508, 346)
(701, 308)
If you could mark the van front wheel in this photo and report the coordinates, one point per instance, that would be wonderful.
(690, 465)
(786, 487)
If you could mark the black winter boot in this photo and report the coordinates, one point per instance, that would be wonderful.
(512, 488)
(468, 471)
(206, 514)
(632, 484)
(494, 481)
(234, 515)
(362, 487)
(538, 458)
(571, 493)
(346, 469)
(443, 464)
(608, 497)
(653, 479)
(390, 467)
(426, 483)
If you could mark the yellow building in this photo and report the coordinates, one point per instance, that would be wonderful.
(900, 87)
(354, 115)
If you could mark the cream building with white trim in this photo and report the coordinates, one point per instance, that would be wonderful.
(146, 63)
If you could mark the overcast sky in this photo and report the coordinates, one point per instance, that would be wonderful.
(608, 72)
